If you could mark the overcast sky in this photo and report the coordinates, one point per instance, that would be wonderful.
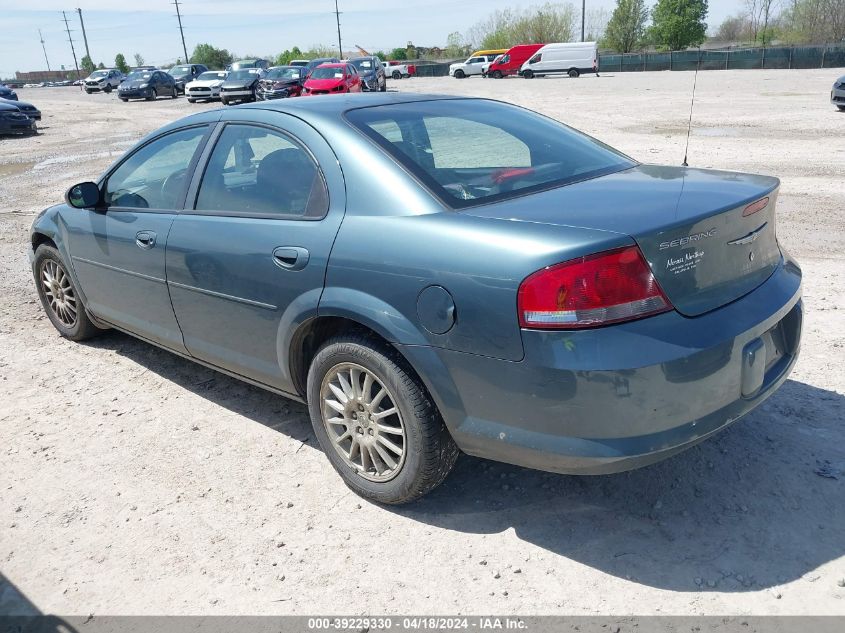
(260, 27)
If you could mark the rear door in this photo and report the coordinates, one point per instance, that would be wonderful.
(246, 264)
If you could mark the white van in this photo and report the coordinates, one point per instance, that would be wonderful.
(573, 59)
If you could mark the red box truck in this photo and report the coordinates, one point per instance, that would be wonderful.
(510, 62)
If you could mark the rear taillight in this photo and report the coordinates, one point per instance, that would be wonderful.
(754, 207)
(598, 289)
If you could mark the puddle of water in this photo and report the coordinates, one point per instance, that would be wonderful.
(13, 169)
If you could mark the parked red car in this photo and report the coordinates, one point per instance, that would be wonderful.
(511, 62)
(332, 79)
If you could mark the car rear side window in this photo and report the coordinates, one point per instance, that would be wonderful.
(257, 171)
(469, 151)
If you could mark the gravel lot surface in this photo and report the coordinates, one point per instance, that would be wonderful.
(134, 482)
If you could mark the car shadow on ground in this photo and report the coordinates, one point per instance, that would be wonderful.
(756, 506)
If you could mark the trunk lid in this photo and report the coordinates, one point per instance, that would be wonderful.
(688, 223)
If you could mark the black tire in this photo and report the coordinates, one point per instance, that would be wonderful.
(496, 74)
(573, 72)
(107, 88)
(88, 92)
(124, 99)
(459, 74)
(383, 87)
(175, 93)
(153, 95)
(528, 74)
(192, 100)
(396, 75)
(223, 101)
(841, 108)
(429, 451)
(82, 327)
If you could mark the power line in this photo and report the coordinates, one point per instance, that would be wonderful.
(337, 15)
(84, 36)
(46, 59)
(72, 49)
(181, 32)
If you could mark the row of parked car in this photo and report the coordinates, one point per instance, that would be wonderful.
(16, 116)
(531, 60)
(250, 79)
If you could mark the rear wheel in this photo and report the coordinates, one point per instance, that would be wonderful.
(59, 296)
(396, 75)
(573, 72)
(459, 74)
(375, 421)
(528, 74)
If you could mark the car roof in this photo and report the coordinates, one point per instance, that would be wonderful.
(330, 107)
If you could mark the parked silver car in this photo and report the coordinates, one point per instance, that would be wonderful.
(837, 94)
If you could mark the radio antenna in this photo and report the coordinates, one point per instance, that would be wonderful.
(692, 103)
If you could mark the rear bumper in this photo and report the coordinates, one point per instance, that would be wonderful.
(616, 398)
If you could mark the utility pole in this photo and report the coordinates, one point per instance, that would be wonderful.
(583, 17)
(72, 49)
(337, 15)
(46, 59)
(181, 32)
(84, 36)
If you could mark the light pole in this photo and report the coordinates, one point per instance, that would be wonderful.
(583, 17)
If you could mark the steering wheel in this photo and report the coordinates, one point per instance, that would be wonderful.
(171, 187)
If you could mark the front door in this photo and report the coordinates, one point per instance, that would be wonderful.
(118, 251)
(248, 262)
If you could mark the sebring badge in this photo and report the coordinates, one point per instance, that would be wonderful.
(683, 241)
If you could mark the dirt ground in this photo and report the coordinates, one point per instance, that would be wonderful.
(135, 482)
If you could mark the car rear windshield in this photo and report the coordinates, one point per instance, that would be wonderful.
(473, 151)
(179, 71)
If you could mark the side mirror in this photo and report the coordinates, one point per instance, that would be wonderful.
(85, 195)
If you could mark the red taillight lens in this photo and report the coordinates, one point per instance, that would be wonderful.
(754, 207)
(598, 289)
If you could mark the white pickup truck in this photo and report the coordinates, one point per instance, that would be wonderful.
(472, 66)
(397, 70)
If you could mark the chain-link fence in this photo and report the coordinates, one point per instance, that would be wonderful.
(829, 56)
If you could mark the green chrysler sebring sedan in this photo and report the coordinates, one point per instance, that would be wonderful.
(505, 286)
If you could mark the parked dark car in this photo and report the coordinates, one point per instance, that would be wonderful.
(520, 291)
(147, 84)
(242, 64)
(240, 85)
(27, 108)
(8, 93)
(837, 93)
(311, 65)
(13, 121)
(371, 70)
(332, 79)
(280, 82)
(184, 73)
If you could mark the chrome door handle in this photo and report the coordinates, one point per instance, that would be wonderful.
(145, 239)
(291, 257)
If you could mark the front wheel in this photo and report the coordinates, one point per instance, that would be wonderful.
(224, 101)
(841, 108)
(383, 87)
(375, 421)
(528, 74)
(496, 74)
(124, 99)
(153, 95)
(175, 93)
(107, 89)
(59, 296)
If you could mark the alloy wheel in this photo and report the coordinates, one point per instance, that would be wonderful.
(363, 422)
(59, 292)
